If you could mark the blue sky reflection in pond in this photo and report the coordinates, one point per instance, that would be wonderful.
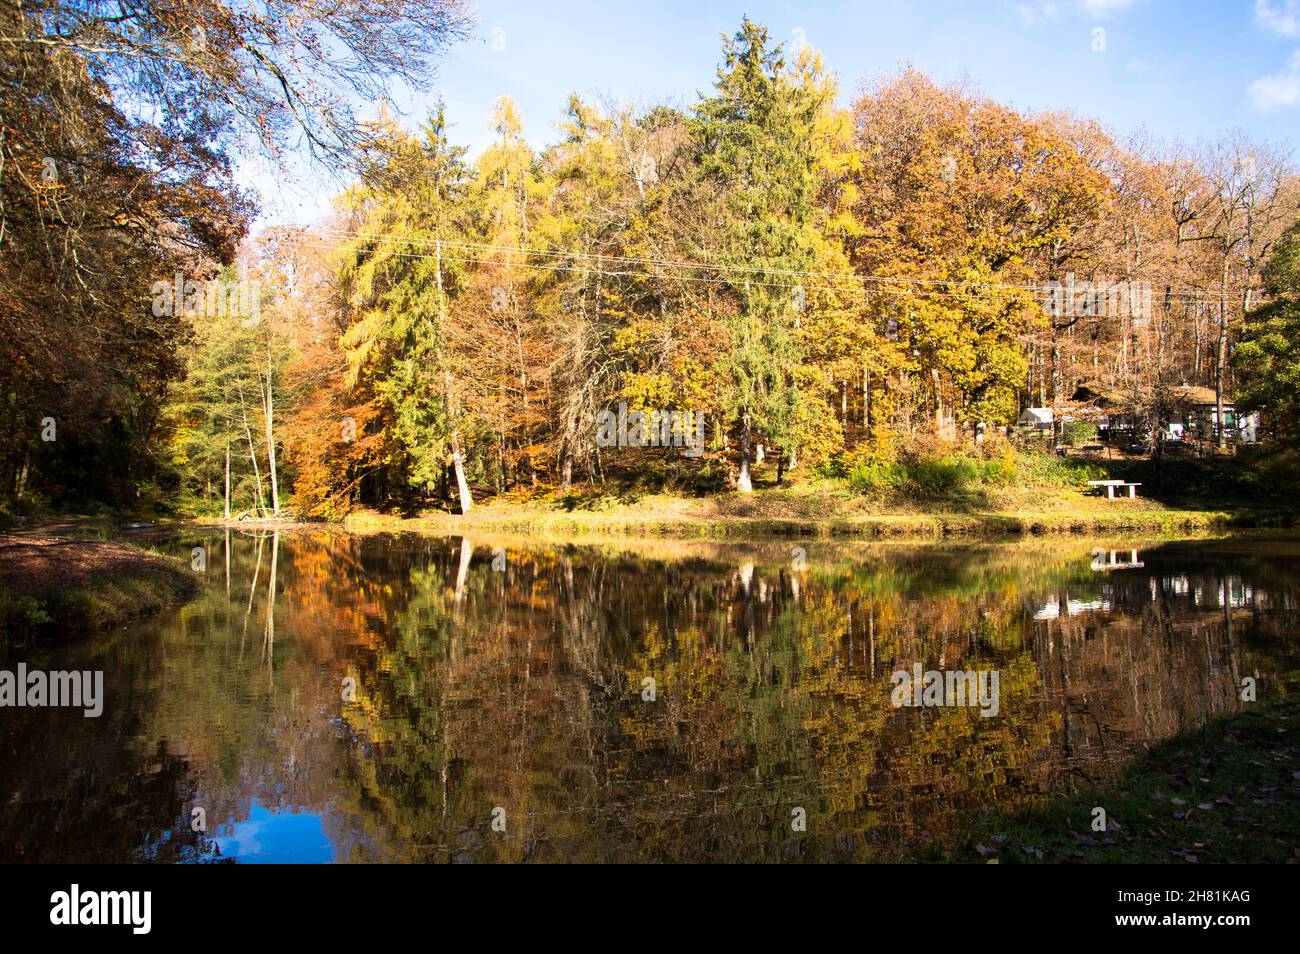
(268, 837)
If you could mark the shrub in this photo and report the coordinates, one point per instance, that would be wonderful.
(876, 476)
(927, 476)
(1078, 433)
(934, 471)
(1001, 471)
(939, 477)
(1040, 469)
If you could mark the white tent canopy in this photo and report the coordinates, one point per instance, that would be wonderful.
(1035, 417)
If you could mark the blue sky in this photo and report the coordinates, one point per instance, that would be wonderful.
(1180, 69)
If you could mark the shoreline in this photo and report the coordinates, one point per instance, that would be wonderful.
(59, 585)
(900, 526)
(945, 526)
(763, 517)
(1238, 805)
(810, 512)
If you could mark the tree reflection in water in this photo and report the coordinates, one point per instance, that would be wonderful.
(521, 688)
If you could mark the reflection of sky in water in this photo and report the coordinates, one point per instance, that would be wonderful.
(781, 693)
(268, 837)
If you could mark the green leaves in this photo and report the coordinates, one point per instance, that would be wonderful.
(395, 281)
(1268, 363)
(1267, 358)
(758, 139)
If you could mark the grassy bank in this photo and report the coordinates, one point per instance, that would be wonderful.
(53, 586)
(1229, 792)
(929, 492)
(829, 510)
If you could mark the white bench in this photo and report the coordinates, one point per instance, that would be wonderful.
(1110, 486)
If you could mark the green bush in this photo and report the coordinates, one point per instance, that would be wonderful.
(1003, 471)
(928, 476)
(14, 513)
(1078, 433)
(1049, 470)
(1269, 471)
(876, 476)
(954, 473)
(940, 477)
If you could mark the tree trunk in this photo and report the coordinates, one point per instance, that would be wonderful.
(866, 402)
(743, 482)
(1057, 382)
(566, 463)
(938, 400)
(1221, 361)
(462, 485)
(252, 454)
(1158, 456)
(457, 461)
(227, 509)
(21, 486)
(269, 409)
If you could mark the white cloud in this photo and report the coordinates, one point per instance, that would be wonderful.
(1279, 91)
(1038, 11)
(1104, 8)
(1279, 16)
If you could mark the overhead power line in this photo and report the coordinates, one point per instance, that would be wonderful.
(645, 265)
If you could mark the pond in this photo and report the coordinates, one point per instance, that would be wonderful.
(406, 698)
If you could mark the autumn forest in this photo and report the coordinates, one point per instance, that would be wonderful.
(818, 286)
(880, 441)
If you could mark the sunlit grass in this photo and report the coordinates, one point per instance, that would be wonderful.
(1223, 793)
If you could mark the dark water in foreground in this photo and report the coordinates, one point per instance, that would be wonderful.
(478, 694)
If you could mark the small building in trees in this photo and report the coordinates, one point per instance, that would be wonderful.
(1195, 413)
(1036, 418)
(1114, 413)
(1190, 414)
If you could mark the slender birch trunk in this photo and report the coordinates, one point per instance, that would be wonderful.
(1221, 360)
(227, 508)
(268, 409)
(252, 454)
(457, 461)
(743, 482)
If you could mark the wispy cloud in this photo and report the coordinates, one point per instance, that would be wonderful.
(1279, 91)
(1039, 11)
(1104, 8)
(1279, 16)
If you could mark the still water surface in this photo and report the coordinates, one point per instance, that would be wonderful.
(331, 697)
